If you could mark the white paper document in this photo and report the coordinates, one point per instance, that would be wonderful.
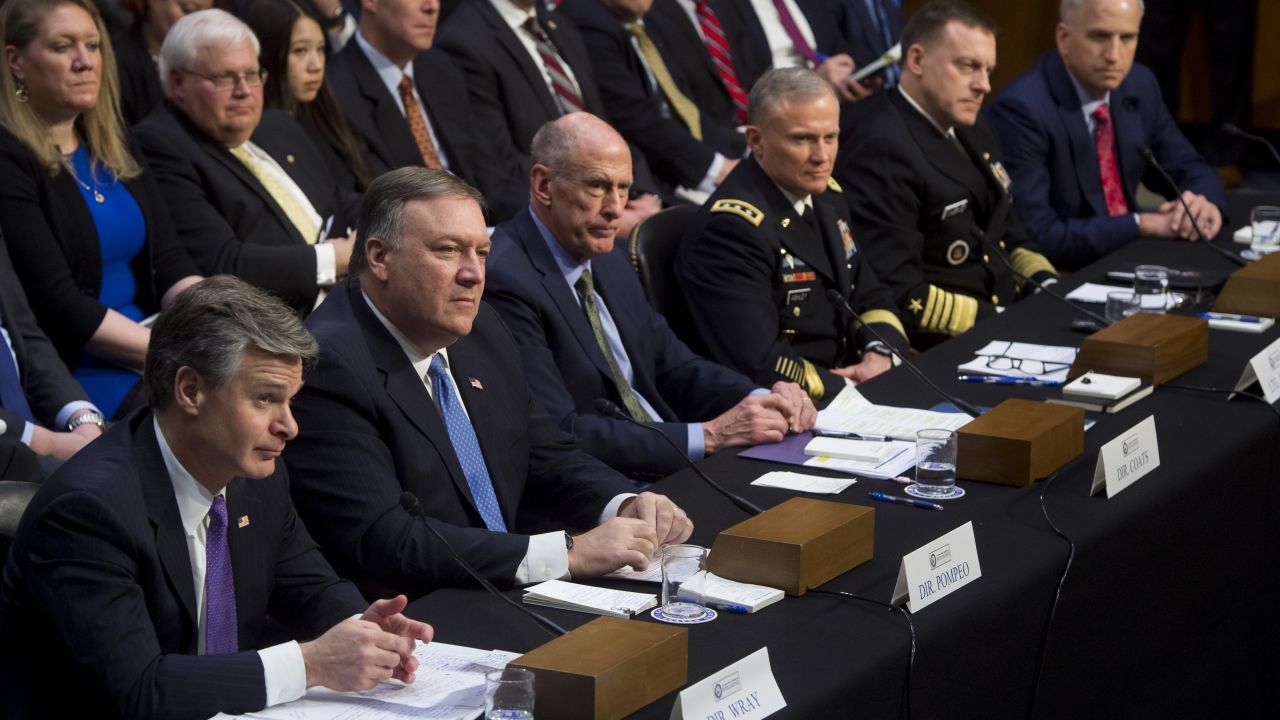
(589, 599)
(851, 412)
(1097, 293)
(1006, 358)
(801, 482)
(902, 459)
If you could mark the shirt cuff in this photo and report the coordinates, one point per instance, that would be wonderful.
(28, 429)
(697, 442)
(611, 510)
(71, 408)
(326, 264)
(546, 559)
(284, 671)
(708, 183)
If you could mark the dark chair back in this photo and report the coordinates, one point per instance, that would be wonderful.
(15, 495)
(653, 248)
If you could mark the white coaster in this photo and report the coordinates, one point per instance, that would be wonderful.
(956, 492)
(705, 617)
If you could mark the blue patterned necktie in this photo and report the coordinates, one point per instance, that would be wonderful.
(463, 438)
(219, 585)
(882, 21)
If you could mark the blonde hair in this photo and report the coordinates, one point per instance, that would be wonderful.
(101, 127)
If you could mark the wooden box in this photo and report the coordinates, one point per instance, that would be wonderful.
(1019, 441)
(1253, 289)
(797, 545)
(1156, 348)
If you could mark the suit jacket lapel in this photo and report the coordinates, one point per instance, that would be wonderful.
(162, 509)
(1129, 141)
(510, 42)
(391, 130)
(436, 104)
(1084, 151)
(796, 234)
(940, 152)
(242, 506)
(833, 243)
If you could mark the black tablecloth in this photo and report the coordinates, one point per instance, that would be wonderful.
(1165, 611)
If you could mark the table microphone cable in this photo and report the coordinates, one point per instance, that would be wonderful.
(1045, 288)
(1222, 391)
(1150, 157)
(906, 615)
(410, 503)
(1057, 593)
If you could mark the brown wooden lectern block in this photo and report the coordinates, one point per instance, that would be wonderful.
(607, 669)
(1019, 441)
(1253, 289)
(1156, 348)
(797, 545)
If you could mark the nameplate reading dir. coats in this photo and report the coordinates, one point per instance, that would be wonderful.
(745, 689)
(937, 569)
(1264, 369)
(1125, 460)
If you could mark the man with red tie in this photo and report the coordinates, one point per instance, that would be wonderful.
(1073, 129)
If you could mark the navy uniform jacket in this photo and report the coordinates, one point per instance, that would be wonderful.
(98, 609)
(371, 431)
(755, 279)
(1054, 163)
(933, 218)
(567, 370)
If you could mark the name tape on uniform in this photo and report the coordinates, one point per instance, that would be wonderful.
(1264, 369)
(745, 689)
(1126, 459)
(937, 569)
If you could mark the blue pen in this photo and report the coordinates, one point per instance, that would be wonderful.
(722, 607)
(922, 504)
(992, 380)
(1228, 316)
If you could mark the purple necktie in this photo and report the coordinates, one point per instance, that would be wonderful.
(797, 37)
(219, 585)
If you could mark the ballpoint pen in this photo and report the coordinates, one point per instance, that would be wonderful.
(720, 607)
(995, 380)
(841, 435)
(1229, 316)
(922, 504)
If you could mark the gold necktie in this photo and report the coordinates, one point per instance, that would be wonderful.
(682, 105)
(297, 215)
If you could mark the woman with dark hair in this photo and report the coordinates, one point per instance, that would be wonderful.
(137, 48)
(86, 228)
(294, 51)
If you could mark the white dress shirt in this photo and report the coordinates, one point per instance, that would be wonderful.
(391, 75)
(781, 49)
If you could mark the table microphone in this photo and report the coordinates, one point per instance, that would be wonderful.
(608, 409)
(1233, 129)
(1151, 158)
(841, 304)
(1045, 288)
(410, 503)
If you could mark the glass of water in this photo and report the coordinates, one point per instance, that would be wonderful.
(1266, 230)
(1151, 284)
(508, 694)
(682, 576)
(935, 463)
(1122, 304)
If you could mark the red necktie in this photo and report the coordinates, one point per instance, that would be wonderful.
(1105, 141)
(418, 124)
(566, 91)
(718, 48)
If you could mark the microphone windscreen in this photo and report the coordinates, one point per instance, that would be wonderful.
(409, 502)
(606, 408)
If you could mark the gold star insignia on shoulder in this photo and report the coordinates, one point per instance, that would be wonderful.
(741, 208)
(915, 306)
(832, 185)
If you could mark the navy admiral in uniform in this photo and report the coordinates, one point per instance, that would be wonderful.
(773, 240)
(940, 227)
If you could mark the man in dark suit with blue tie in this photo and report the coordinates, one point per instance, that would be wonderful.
(576, 308)
(145, 569)
(419, 388)
(1073, 129)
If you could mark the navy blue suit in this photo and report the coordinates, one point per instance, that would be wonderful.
(567, 369)
(98, 608)
(1052, 158)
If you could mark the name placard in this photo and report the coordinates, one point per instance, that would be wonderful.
(1264, 369)
(745, 689)
(1126, 459)
(937, 569)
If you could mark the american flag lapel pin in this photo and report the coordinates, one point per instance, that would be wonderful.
(476, 383)
(243, 522)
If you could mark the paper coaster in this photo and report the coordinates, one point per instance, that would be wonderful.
(705, 617)
(956, 492)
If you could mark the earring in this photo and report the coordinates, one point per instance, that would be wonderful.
(20, 92)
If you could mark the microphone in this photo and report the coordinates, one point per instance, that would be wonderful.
(1045, 288)
(1234, 130)
(410, 503)
(1151, 158)
(841, 304)
(608, 409)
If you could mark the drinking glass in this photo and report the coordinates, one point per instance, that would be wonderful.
(1266, 230)
(682, 567)
(1122, 304)
(508, 694)
(1151, 284)
(935, 463)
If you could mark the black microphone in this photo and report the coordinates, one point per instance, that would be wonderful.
(1151, 158)
(1233, 129)
(1045, 289)
(410, 503)
(841, 304)
(608, 409)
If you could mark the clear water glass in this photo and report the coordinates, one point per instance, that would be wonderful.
(508, 694)
(682, 567)
(1266, 230)
(1122, 304)
(1151, 284)
(936, 462)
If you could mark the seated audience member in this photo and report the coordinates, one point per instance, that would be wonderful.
(87, 230)
(145, 569)
(932, 207)
(410, 103)
(138, 47)
(249, 192)
(649, 100)
(592, 335)
(294, 53)
(333, 16)
(45, 417)
(420, 389)
(773, 240)
(1073, 128)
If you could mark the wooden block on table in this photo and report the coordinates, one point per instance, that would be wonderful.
(1018, 442)
(1156, 348)
(1253, 289)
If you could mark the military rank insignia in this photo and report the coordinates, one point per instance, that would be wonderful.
(846, 237)
(1002, 175)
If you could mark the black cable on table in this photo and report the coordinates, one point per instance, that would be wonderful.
(1223, 391)
(906, 615)
(1057, 594)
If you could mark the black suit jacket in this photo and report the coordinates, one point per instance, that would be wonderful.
(567, 370)
(56, 252)
(372, 431)
(472, 155)
(866, 41)
(827, 19)
(225, 217)
(755, 279)
(98, 609)
(688, 52)
(140, 90)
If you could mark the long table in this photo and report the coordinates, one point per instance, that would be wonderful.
(1165, 611)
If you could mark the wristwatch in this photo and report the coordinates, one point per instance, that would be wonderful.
(568, 541)
(882, 349)
(87, 418)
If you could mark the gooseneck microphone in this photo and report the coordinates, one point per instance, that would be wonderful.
(1045, 289)
(1177, 189)
(410, 503)
(1233, 129)
(608, 409)
(841, 304)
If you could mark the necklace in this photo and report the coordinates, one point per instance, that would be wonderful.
(97, 196)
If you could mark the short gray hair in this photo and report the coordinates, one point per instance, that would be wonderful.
(210, 325)
(553, 145)
(1069, 7)
(782, 85)
(199, 30)
(382, 210)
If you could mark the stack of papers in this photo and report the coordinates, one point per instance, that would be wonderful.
(714, 589)
(867, 451)
(1005, 358)
(853, 413)
(1097, 293)
(800, 482)
(588, 599)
